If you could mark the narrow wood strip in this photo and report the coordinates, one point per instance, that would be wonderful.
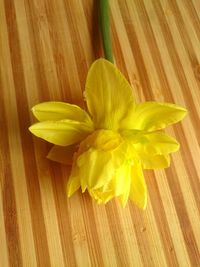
(67, 54)
(116, 233)
(4, 259)
(81, 39)
(91, 12)
(58, 181)
(139, 60)
(5, 250)
(105, 238)
(49, 206)
(185, 35)
(78, 231)
(78, 45)
(38, 64)
(148, 43)
(194, 15)
(188, 27)
(129, 234)
(189, 165)
(161, 220)
(149, 243)
(195, 39)
(183, 218)
(38, 14)
(184, 178)
(8, 196)
(119, 61)
(122, 47)
(179, 246)
(187, 46)
(53, 13)
(96, 256)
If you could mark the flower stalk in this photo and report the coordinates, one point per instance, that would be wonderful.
(104, 21)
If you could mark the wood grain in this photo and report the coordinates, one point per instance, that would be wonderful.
(46, 48)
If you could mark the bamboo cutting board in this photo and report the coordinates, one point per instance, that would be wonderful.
(46, 48)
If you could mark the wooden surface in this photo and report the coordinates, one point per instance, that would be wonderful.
(46, 48)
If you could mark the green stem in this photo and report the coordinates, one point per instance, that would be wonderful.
(105, 29)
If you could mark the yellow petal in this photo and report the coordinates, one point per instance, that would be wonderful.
(151, 116)
(106, 140)
(62, 133)
(54, 111)
(62, 154)
(100, 196)
(125, 172)
(155, 162)
(153, 149)
(156, 143)
(120, 183)
(95, 167)
(73, 185)
(73, 182)
(138, 189)
(100, 154)
(108, 94)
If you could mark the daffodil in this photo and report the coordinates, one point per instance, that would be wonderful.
(113, 141)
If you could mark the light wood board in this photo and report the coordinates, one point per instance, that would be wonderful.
(46, 48)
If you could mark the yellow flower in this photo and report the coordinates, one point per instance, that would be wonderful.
(113, 141)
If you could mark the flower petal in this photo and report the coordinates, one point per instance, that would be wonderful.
(108, 94)
(54, 111)
(126, 174)
(96, 168)
(117, 184)
(155, 162)
(73, 185)
(156, 143)
(99, 155)
(151, 116)
(62, 154)
(62, 133)
(120, 183)
(153, 149)
(100, 196)
(73, 182)
(138, 189)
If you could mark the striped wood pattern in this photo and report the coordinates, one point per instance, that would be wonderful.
(46, 48)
